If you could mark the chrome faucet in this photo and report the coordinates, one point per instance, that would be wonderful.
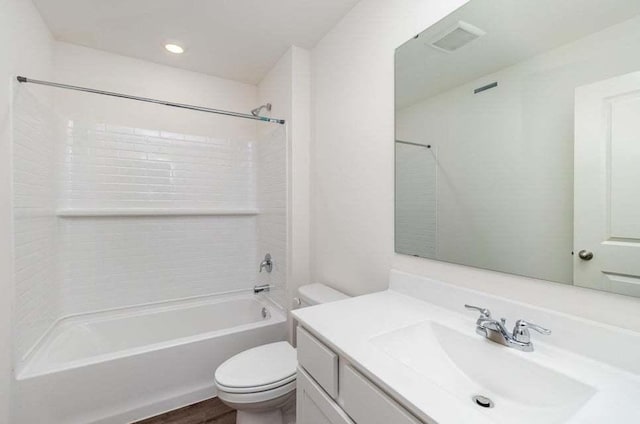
(496, 331)
(267, 263)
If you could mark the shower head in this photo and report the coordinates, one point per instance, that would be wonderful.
(256, 111)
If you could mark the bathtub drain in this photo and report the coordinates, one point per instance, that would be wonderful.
(265, 313)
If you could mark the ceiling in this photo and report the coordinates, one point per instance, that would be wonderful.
(515, 30)
(234, 39)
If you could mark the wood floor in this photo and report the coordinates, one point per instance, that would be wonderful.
(211, 411)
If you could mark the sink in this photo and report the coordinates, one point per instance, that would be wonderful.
(468, 365)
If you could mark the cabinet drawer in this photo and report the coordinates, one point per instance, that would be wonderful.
(366, 403)
(313, 404)
(319, 361)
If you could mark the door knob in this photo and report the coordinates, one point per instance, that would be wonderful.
(585, 255)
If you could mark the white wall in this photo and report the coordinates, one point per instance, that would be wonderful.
(299, 171)
(271, 184)
(26, 48)
(287, 88)
(352, 169)
(37, 138)
(86, 67)
(505, 156)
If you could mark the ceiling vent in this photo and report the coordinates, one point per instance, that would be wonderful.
(456, 37)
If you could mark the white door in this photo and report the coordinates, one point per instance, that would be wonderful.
(607, 185)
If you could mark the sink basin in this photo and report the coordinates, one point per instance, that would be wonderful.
(469, 365)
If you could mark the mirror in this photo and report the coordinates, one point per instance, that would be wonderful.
(518, 141)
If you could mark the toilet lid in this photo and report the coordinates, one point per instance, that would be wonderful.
(260, 368)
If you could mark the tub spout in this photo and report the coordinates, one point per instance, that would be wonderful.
(261, 288)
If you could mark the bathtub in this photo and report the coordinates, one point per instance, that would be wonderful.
(123, 365)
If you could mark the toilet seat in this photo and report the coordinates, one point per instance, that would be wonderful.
(249, 398)
(256, 389)
(269, 370)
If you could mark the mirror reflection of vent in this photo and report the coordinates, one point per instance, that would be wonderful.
(456, 37)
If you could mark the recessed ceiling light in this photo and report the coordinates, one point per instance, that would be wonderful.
(174, 48)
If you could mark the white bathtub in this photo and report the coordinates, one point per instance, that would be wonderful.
(124, 365)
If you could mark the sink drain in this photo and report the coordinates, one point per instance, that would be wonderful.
(483, 401)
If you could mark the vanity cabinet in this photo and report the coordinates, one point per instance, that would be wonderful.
(331, 391)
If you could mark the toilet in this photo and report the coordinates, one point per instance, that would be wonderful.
(260, 383)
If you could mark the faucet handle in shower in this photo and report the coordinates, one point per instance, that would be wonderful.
(266, 263)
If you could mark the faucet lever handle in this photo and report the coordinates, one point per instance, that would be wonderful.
(483, 311)
(522, 324)
(521, 330)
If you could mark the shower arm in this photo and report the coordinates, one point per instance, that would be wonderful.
(256, 111)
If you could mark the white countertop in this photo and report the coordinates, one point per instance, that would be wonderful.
(349, 326)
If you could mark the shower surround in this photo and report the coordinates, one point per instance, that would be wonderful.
(111, 217)
(111, 175)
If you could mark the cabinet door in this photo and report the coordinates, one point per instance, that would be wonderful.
(366, 403)
(313, 404)
(319, 361)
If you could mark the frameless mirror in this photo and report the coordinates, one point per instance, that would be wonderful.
(518, 141)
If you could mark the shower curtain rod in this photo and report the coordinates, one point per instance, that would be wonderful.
(410, 143)
(145, 99)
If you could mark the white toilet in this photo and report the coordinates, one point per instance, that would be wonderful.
(261, 382)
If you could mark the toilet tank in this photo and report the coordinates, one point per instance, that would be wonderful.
(314, 294)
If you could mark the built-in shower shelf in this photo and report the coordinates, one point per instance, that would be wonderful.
(77, 212)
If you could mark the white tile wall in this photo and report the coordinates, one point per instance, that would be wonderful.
(112, 166)
(108, 262)
(37, 303)
(271, 152)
